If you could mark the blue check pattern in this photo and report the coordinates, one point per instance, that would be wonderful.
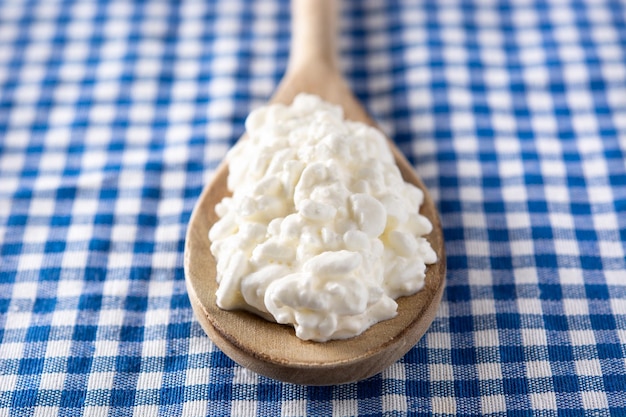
(114, 114)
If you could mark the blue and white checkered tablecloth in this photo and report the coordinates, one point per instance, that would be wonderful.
(114, 114)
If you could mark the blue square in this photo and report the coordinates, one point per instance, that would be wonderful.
(29, 366)
(122, 397)
(565, 383)
(515, 386)
(38, 333)
(24, 398)
(73, 398)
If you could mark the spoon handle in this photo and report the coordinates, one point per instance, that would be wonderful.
(313, 34)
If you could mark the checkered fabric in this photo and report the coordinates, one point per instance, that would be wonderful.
(114, 114)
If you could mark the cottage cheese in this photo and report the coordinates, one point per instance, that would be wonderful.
(321, 231)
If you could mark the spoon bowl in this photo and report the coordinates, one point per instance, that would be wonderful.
(272, 349)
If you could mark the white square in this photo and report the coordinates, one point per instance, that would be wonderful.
(571, 276)
(529, 305)
(492, 404)
(557, 194)
(95, 411)
(30, 262)
(160, 288)
(77, 51)
(111, 317)
(146, 411)
(64, 318)
(293, 408)
(479, 277)
(78, 30)
(45, 411)
(441, 372)
(178, 135)
(25, 290)
(522, 248)
(186, 68)
(184, 90)
(147, 67)
(157, 317)
(391, 403)
(197, 376)
(154, 348)
(170, 207)
(544, 124)
(532, 55)
(444, 405)
(513, 193)
(200, 345)
(538, 369)
(478, 248)
(243, 408)
(504, 123)
(518, 220)
(65, 93)
(107, 90)
(61, 115)
(543, 401)
(525, 276)
(106, 348)
(80, 232)
(585, 123)
(102, 113)
(45, 183)
(15, 320)
(572, 53)
(462, 121)
(115, 287)
(69, 288)
(539, 100)
(588, 367)
(534, 337)
(97, 135)
(575, 307)
(466, 144)
(11, 351)
(58, 348)
(594, 400)
(120, 260)
(582, 337)
(165, 260)
(566, 247)
(486, 338)
(125, 232)
(144, 90)
(113, 49)
(560, 220)
(536, 76)
(35, 234)
(7, 382)
(471, 193)
(493, 57)
(52, 381)
(150, 380)
(395, 371)
(438, 340)
(26, 93)
(601, 194)
(195, 408)
(141, 113)
(489, 371)
(74, 259)
(72, 72)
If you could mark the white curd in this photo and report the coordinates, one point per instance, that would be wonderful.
(321, 231)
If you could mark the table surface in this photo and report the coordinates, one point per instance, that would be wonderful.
(114, 115)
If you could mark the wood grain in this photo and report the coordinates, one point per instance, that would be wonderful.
(271, 349)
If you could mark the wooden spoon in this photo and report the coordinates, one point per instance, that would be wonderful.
(271, 349)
